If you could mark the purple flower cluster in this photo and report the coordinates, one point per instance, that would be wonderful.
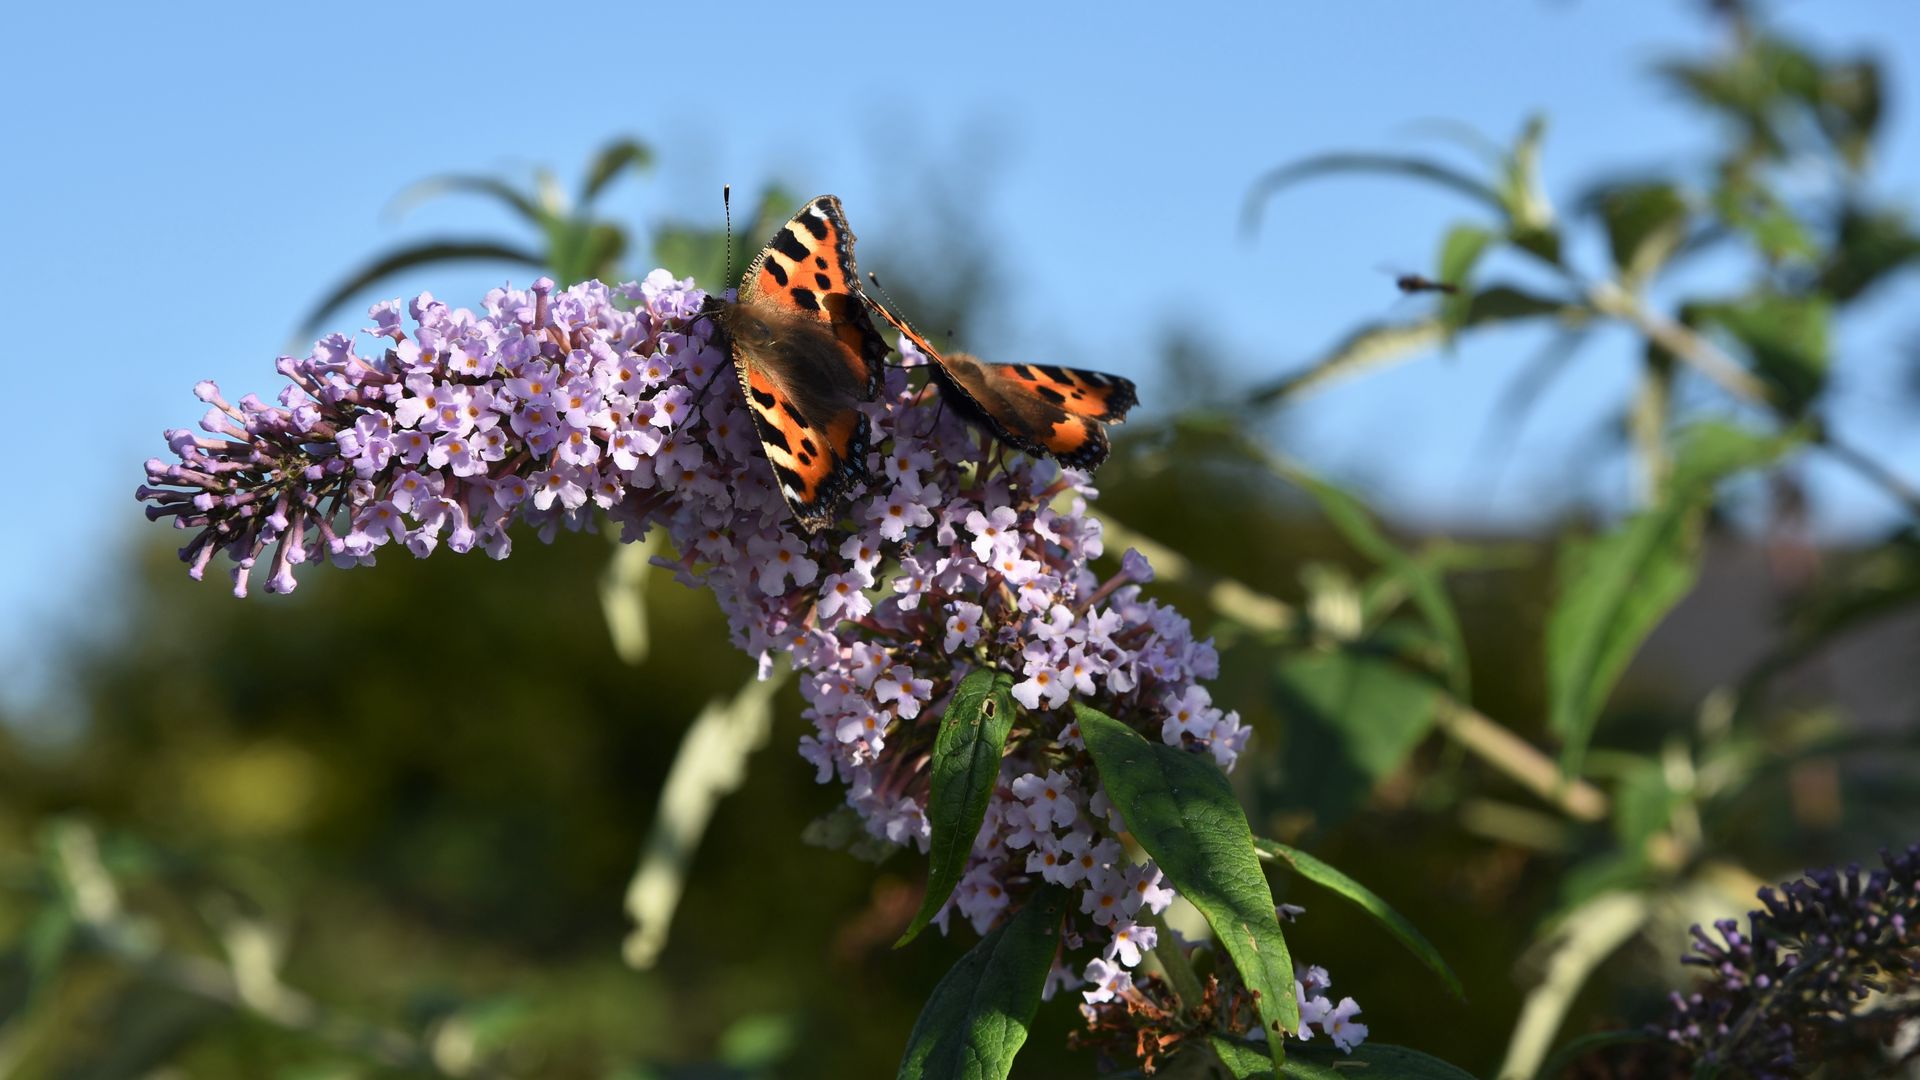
(559, 408)
(1807, 974)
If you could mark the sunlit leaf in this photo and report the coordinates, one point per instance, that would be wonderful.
(964, 768)
(1460, 252)
(1396, 924)
(614, 157)
(1181, 809)
(976, 1019)
(430, 253)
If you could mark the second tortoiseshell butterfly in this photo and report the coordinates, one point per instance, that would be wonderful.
(807, 356)
(1039, 408)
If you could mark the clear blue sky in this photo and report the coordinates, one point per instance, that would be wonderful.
(183, 185)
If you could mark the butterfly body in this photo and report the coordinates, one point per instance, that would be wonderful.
(807, 355)
(1046, 409)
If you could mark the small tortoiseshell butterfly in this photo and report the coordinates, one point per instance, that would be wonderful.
(1039, 408)
(807, 356)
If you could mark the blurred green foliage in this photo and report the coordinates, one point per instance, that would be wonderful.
(382, 827)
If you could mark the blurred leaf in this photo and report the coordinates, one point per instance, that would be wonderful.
(1614, 589)
(47, 942)
(1352, 720)
(1586, 1044)
(710, 765)
(1396, 924)
(1413, 168)
(426, 254)
(1460, 252)
(964, 769)
(701, 253)
(1520, 193)
(623, 596)
(1643, 803)
(977, 1018)
(1311, 1061)
(1645, 223)
(1787, 337)
(435, 186)
(1422, 582)
(1575, 947)
(1504, 303)
(1852, 101)
(1181, 809)
(1373, 344)
(615, 156)
(1871, 245)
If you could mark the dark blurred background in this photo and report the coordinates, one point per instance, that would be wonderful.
(384, 826)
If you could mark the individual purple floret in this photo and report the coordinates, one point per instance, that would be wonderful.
(567, 408)
(1830, 962)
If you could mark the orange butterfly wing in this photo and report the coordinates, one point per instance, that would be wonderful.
(807, 356)
(1038, 408)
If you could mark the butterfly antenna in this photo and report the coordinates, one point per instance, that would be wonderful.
(726, 203)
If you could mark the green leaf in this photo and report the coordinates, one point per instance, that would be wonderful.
(1504, 303)
(1370, 346)
(976, 1019)
(1368, 1061)
(424, 254)
(1645, 223)
(1615, 588)
(1643, 803)
(965, 766)
(1413, 168)
(1871, 246)
(1321, 874)
(1180, 807)
(1787, 338)
(615, 156)
(1460, 252)
(499, 190)
(1353, 719)
(1422, 582)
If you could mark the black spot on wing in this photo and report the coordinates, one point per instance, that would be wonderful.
(1057, 374)
(805, 298)
(793, 413)
(1052, 395)
(790, 245)
(1022, 370)
(773, 436)
(816, 222)
(779, 272)
(820, 261)
(821, 280)
(762, 398)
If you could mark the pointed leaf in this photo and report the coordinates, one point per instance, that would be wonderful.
(1645, 223)
(435, 186)
(1413, 168)
(1180, 807)
(1614, 589)
(1369, 346)
(1321, 874)
(1787, 337)
(425, 254)
(615, 156)
(977, 1018)
(965, 766)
